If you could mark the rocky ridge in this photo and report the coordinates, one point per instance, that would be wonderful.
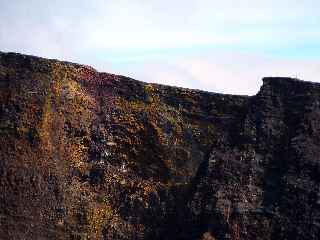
(90, 155)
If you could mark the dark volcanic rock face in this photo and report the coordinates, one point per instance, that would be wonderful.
(89, 155)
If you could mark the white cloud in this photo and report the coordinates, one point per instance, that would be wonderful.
(169, 41)
(232, 73)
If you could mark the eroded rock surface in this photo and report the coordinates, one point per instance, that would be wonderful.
(90, 155)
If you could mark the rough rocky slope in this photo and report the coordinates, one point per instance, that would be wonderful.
(89, 155)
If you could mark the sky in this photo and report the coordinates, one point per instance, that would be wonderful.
(219, 46)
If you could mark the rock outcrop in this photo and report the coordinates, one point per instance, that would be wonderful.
(90, 155)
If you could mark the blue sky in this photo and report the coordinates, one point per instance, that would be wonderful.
(222, 46)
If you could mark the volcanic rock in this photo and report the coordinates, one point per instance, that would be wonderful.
(90, 155)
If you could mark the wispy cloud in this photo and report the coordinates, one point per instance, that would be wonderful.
(227, 72)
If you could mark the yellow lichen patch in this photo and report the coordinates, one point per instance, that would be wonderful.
(77, 153)
(148, 189)
(159, 133)
(165, 125)
(152, 96)
(135, 105)
(74, 91)
(149, 88)
(46, 127)
(98, 216)
(75, 100)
